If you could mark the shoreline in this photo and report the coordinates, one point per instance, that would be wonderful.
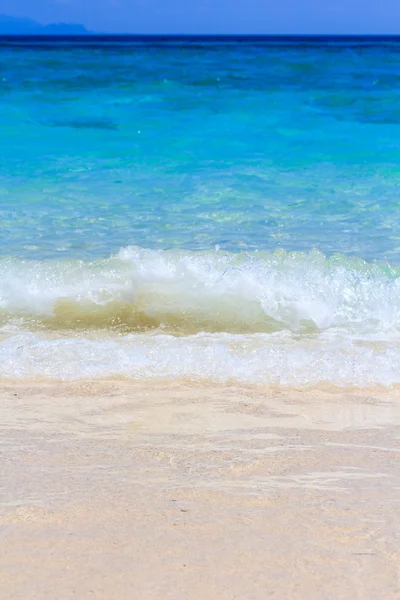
(115, 489)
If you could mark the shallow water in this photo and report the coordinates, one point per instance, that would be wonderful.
(207, 210)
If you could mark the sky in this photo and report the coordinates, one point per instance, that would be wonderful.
(215, 16)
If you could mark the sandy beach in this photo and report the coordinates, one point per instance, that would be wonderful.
(119, 490)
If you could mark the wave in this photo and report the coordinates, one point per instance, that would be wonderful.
(291, 319)
(184, 292)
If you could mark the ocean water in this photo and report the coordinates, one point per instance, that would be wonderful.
(222, 209)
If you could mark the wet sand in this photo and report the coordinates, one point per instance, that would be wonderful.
(116, 490)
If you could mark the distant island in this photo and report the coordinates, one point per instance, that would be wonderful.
(23, 26)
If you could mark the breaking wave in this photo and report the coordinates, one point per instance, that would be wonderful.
(188, 292)
(283, 318)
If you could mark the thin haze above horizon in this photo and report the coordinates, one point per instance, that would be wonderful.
(216, 16)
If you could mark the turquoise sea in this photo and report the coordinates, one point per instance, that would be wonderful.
(222, 209)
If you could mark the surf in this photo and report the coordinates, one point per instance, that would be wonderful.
(183, 292)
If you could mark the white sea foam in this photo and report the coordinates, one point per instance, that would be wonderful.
(196, 292)
(278, 318)
(279, 358)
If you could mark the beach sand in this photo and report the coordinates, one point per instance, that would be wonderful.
(120, 490)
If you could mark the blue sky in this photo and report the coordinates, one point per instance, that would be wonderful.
(215, 16)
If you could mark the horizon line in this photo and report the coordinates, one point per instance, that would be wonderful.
(199, 35)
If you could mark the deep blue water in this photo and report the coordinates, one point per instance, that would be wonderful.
(175, 143)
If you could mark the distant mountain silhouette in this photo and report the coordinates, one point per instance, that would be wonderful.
(22, 26)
